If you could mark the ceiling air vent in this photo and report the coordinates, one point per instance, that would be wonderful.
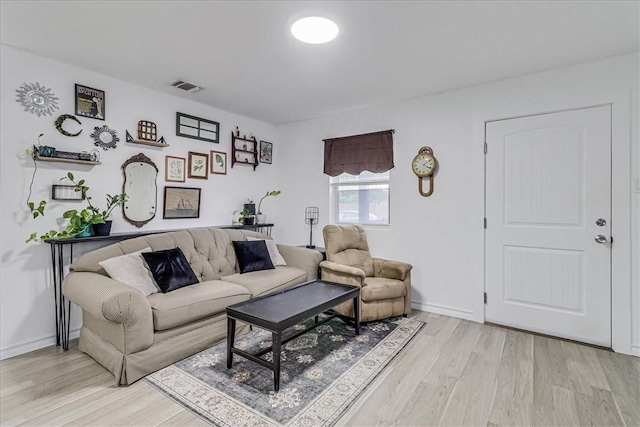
(181, 84)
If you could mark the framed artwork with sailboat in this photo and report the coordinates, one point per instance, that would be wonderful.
(181, 202)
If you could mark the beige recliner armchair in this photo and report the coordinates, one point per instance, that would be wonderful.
(385, 285)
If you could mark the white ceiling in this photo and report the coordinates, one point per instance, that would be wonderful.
(244, 56)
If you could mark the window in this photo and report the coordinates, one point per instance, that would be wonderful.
(361, 199)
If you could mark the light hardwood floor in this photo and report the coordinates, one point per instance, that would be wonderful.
(454, 372)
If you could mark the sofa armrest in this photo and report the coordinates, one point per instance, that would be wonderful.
(334, 272)
(108, 300)
(303, 258)
(391, 269)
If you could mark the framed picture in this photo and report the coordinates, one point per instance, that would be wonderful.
(181, 202)
(89, 102)
(197, 128)
(175, 169)
(198, 165)
(266, 152)
(218, 162)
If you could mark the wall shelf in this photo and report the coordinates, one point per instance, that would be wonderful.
(151, 143)
(247, 155)
(57, 159)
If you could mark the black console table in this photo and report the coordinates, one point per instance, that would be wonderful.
(260, 228)
(62, 306)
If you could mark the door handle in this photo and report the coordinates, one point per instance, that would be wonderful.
(601, 238)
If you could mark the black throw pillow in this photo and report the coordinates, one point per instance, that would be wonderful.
(170, 269)
(253, 256)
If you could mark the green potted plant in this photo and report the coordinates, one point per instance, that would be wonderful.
(81, 223)
(247, 217)
(261, 218)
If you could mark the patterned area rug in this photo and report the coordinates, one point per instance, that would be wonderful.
(323, 373)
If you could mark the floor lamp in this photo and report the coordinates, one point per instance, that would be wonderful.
(311, 218)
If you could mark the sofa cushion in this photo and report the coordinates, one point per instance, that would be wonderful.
(272, 247)
(170, 269)
(262, 282)
(253, 256)
(131, 270)
(379, 288)
(194, 302)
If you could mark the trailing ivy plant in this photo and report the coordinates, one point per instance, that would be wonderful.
(78, 220)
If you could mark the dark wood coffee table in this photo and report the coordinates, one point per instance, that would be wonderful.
(281, 310)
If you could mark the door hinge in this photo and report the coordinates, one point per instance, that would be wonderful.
(485, 222)
(486, 148)
(612, 240)
(485, 297)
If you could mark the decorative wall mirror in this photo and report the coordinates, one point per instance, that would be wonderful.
(140, 175)
(105, 138)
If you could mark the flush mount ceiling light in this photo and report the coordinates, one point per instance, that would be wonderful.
(314, 30)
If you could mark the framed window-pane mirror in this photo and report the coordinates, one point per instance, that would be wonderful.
(197, 128)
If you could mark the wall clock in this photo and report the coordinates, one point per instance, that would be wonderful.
(424, 165)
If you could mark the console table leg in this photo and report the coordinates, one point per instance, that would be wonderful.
(356, 313)
(276, 340)
(62, 318)
(54, 271)
(231, 335)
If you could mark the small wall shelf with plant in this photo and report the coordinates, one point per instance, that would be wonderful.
(84, 223)
(244, 151)
(43, 153)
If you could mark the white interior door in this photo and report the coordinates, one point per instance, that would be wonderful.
(548, 198)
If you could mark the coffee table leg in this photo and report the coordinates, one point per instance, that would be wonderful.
(231, 335)
(276, 340)
(356, 313)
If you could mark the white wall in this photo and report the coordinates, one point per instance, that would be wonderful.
(442, 236)
(26, 294)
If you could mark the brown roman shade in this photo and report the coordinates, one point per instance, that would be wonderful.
(371, 152)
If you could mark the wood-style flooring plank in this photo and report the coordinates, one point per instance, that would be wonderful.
(549, 370)
(470, 402)
(598, 408)
(513, 397)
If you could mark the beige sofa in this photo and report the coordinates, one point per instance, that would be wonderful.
(132, 335)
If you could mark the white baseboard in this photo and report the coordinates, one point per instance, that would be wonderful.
(635, 349)
(33, 345)
(446, 310)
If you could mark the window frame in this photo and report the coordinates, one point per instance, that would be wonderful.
(334, 190)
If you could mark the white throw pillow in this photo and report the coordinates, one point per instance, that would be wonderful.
(272, 247)
(131, 270)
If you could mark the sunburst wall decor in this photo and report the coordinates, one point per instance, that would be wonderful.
(37, 99)
(104, 137)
